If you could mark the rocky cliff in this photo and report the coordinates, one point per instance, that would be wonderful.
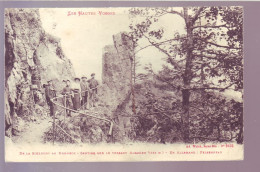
(32, 57)
(116, 74)
(150, 95)
(116, 78)
(114, 98)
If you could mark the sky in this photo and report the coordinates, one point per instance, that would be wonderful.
(83, 37)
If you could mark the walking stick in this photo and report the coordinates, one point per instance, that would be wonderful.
(65, 102)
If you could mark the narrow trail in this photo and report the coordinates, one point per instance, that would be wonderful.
(33, 131)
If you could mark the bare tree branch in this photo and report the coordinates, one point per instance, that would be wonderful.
(196, 16)
(166, 81)
(217, 45)
(176, 12)
(159, 43)
(207, 26)
(211, 88)
(171, 60)
(173, 12)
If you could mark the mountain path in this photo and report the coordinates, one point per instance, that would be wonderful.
(33, 131)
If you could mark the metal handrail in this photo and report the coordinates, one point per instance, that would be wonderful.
(52, 100)
(76, 111)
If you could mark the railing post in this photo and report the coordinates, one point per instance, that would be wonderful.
(111, 128)
(65, 103)
(53, 125)
(110, 133)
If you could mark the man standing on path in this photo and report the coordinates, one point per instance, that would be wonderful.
(84, 92)
(93, 84)
(50, 93)
(36, 77)
(46, 90)
(67, 101)
(76, 93)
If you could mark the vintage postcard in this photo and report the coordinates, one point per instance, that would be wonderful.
(124, 84)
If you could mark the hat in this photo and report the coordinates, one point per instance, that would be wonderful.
(49, 80)
(84, 77)
(93, 74)
(68, 80)
(76, 79)
(34, 87)
(64, 80)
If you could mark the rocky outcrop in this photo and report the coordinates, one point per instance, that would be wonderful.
(116, 75)
(32, 57)
(149, 94)
(116, 78)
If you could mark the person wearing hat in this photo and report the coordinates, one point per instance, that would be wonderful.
(76, 98)
(64, 84)
(38, 97)
(36, 77)
(93, 84)
(67, 96)
(84, 92)
(46, 90)
(50, 93)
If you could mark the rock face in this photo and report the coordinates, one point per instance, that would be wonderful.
(116, 75)
(31, 58)
(118, 94)
(116, 78)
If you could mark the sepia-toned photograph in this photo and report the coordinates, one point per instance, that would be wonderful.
(124, 84)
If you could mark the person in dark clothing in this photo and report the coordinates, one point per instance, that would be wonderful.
(76, 94)
(36, 77)
(38, 98)
(84, 92)
(46, 90)
(67, 100)
(93, 84)
(50, 93)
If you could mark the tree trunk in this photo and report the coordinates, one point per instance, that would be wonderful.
(219, 132)
(133, 68)
(132, 87)
(186, 79)
(185, 115)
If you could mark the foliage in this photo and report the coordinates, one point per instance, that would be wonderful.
(216, 118)
(158, 118)
(202, 62)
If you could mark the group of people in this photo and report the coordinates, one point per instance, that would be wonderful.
(80, 94)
